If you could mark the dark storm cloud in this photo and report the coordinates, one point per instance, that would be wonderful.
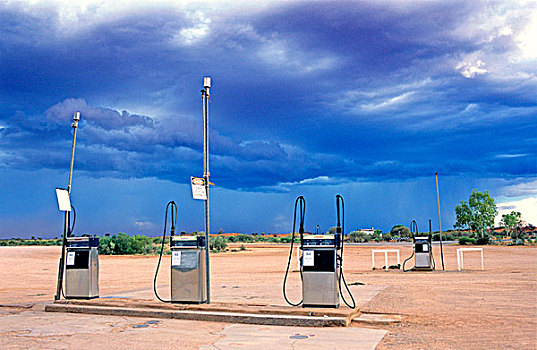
(302, 90)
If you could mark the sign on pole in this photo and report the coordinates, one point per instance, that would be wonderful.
(62, 195)
(198, 188)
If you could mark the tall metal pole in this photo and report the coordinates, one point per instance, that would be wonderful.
(76, 118)
(206, 173)
(439, 221)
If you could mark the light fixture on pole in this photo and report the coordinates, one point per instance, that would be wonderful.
(76, 118)
(205, 97)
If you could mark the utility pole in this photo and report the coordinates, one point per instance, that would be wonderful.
(205, 97)
(439, 221)
(76, 118)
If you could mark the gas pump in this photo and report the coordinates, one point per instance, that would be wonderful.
(321, 263)
(187, 269)
(422, 250)
(82, 268)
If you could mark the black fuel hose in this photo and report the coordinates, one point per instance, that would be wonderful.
(433, 263)
(301, 203)
(413, 230)
(171, 205)
(341, 230)
(70, 229)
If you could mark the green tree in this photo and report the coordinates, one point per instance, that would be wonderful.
(400, 230)
(513, 223)
(478, 213)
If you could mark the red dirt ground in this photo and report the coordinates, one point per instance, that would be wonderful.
(495, 308)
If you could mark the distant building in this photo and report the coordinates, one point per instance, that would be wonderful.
(367, 231)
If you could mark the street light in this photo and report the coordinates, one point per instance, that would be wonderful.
(206, 173)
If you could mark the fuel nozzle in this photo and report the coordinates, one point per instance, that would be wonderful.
(338, 235)
(174, 218)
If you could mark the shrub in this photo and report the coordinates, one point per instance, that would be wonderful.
(466, 240)
(123, 244)
(241, 238)
(445, 237)
(217, 244)
(483, 241)
(517, 242)
(359, 237)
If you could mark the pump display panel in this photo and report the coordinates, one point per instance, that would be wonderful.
(319, 240)
(188, 241)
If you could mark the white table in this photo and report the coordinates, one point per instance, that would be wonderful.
(460, 251)
(385, 251)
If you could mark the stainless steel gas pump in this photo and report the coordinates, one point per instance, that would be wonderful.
(82, 268)
(321, 263)
(320, 277)
(422, 250)
(188, 269)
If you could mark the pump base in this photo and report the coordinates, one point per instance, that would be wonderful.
(81, 298)
(317, 306)
(189, 302)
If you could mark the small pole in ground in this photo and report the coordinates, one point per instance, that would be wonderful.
(439, 220)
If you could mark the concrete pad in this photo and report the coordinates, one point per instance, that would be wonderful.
(244, 307)
(229, 294)
(198, 315)
(245, 337)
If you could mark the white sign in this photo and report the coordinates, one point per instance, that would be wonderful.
(64, 203)
(176, 258)
(198, 188)
(70, 258)
(307, 258)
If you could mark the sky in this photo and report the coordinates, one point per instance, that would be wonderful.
(366, 99)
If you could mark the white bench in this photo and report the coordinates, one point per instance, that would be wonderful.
(385, 251)
(460, 251)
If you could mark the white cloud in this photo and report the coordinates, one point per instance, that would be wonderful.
(144, 225)
(471, 69)
(319, 180)
(199, 29)
(280, 54)
(526, 206)
(527, 39)
(389, 103)
(521, 189)
(508, 156)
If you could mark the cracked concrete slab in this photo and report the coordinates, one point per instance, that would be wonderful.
(41, 330)
(251, 337)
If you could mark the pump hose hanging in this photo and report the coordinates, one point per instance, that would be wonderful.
(341, 230)
(302, 213)
(433, 263)
(173, 206)
(413, 229)
(70, 229)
